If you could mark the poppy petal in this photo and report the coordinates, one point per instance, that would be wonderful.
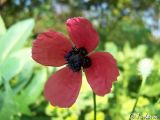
(63, 87)
(102, 72)
(82, 33)
(50, 48)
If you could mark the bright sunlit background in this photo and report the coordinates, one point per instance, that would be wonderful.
(129, 29)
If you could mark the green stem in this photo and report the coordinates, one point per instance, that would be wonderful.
(94, 103)
(138, 95)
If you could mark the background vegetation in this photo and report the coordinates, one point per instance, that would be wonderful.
(129, 29)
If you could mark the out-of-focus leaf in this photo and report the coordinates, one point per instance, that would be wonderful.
(30, 94)
(15, 37)
(142, 102)
(112, 48)
(8, 104)
(14, 64)
(22, 108)
(0, 79)
(2, 27)
(90, 116)
(152, 90)
(143, 50)
(24, 76)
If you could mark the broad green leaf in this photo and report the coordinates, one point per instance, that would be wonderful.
(34, 89)
(15, 37)
(14, 64)
(24, 76)
(2, 27)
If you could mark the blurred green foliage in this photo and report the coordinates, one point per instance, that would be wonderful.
(129, 29)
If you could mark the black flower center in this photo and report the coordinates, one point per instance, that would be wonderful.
(77, 58)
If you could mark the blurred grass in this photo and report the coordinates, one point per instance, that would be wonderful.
(124, 31)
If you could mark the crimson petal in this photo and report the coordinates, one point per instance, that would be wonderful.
(63, 87)
(82, 33)
(102, 72)
(50, 48)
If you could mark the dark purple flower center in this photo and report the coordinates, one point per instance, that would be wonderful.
(77, 58)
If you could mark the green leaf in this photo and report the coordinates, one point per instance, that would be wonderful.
(8, 104)
(2, 27)
(0, 79)
(112, 48)
(151, 90)
(22, 108)
(24, 76)
(14, 64)
(35, 88)
(15, 37)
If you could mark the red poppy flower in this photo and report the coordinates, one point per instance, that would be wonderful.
(52, 48)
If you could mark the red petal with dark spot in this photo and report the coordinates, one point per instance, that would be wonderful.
(63, 87)
(50, 48)
(102, 73)
(82, 33)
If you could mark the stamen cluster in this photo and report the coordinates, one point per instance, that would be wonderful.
(77, 58)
